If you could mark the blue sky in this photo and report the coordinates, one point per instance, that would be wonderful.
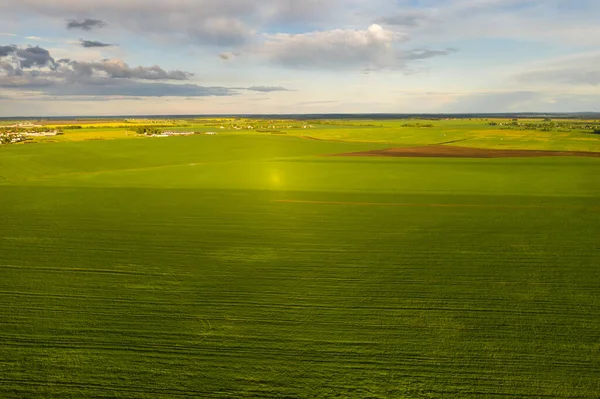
(112, 57)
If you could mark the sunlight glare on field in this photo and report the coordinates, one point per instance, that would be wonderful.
(275, 179)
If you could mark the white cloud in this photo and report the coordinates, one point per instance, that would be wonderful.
(371, 49)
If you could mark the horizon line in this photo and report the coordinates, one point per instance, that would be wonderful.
(330, 114)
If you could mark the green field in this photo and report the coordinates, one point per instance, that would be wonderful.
(249, 265)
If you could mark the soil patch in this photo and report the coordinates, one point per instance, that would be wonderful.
(442, 151)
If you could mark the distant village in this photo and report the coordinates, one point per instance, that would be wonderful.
(269, 127)
(24, 131)
(152, 131)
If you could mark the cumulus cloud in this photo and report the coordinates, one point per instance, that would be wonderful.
(374, 46)
(93, 44)
(372, 49)
(85, 24)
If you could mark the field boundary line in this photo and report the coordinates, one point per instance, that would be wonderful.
(80, 270)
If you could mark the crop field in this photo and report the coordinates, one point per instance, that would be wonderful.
(256, 265)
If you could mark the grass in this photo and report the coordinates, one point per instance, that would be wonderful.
(249, 265)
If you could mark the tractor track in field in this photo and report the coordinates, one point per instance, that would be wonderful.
(329, 140)
(443, 151)
(452, 141)
(412, 205)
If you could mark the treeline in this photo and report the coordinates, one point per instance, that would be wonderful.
(549, 126)
(148, 130)
(418, 125)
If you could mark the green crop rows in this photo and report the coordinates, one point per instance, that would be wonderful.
(241, 266)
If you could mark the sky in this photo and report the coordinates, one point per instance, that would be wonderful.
(144, 57)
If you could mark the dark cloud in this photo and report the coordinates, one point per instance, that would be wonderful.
(267, 89)
(28, 57)
(120, 70)
(421, 54)
(85, 24)
(5, 51)
(93, 44)
(34, 56)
